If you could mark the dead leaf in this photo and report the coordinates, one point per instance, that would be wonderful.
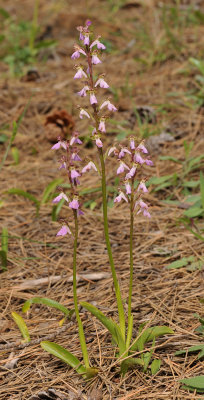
(59, 123)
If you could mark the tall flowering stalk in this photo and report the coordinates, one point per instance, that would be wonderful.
(90, 49)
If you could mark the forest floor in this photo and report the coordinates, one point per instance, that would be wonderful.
(156, 87)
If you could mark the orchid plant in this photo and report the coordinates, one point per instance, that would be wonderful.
(130, 162)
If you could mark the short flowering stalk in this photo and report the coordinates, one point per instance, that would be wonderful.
(80, 326)
(108, 245)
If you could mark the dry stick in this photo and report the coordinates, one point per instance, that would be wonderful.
(93, 276)
(18, 346)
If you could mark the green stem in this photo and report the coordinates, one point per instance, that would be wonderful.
(131, 250)
(81, 331)
(34, 25)
(108, 245)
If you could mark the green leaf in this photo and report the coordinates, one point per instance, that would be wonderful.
(15, 155)
(198, 64)
(130, 362)
(4, 249)
(56, 209)
(107, 322)
(178, 263)
(64, 355)
(193, 349)
(190, 184)
(170, 158)
(50, 189)
(197, 382)
(3, 257)
(155, 366)
(193, 212)
(158, 180)
(146, 357)
(47, 302)
(4, 240)
(21, 325)
(90, 190)
(27, 195)
(151, 333)
(3, 138)
(120, 341)
(202, 188)
(16, 126)
(4, 13)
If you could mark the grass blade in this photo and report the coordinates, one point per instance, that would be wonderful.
(50, 189)
(27, 195)
(16, 126)
(202, 189)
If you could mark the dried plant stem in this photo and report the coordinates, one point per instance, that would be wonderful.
(80, 326)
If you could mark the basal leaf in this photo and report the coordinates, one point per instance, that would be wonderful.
(197, 382)
(64, 355)
(47, 302)
(155, 366)
(15, 155)
(178, 263)
(107, 322)
(192, 349)
(152, 333)
(193, 212)
(21, 325)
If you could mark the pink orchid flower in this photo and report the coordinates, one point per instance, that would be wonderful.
(60, 197)
(88, 167)
(63, 231)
